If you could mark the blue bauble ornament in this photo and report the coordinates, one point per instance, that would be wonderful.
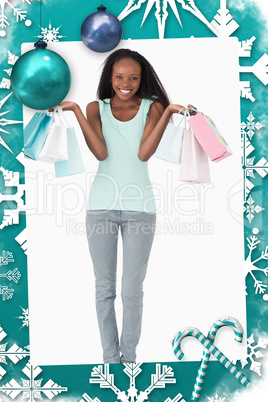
(101, 31)
(40, 78)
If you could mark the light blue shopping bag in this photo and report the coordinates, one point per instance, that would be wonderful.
(35, 133)
(74, 164)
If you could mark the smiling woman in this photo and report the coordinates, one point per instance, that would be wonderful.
(125, 80)
(123, 132)
(149, 83)
(186, 261)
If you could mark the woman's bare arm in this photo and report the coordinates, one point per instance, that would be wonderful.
(155, 126)
(90, 126)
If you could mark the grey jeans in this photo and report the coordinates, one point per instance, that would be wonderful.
(137, 230)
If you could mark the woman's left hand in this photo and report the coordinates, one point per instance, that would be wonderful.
(191, 111)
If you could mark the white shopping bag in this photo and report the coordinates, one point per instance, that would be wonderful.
(194, 166)
(55, 148)
(169, 147)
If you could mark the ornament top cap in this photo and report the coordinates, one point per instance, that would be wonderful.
(101, 8)
(40, 44)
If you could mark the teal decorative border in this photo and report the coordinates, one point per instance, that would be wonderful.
(170, 382)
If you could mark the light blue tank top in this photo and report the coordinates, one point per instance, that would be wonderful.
(122, 181)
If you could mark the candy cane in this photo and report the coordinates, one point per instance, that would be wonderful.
(176, 345)
(223, 321)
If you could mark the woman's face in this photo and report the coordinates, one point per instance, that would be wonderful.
(126, 78)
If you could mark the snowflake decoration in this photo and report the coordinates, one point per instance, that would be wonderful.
(222, 25)
(2, 142)
(14, 353)
(245, 90)
(223, 22)
(6, 258)
(11, 216)
(253, 241)
(250, 126)
(248, 130)
(14, 276)
(245, 51)
(11, 275)
(31, 389)
(24, 317)
(250, 209)
(246, 46)
(12, 58)
(253, 351)
(101, 375)
(50, 34)
(6, 84)
(259, 69)
(216, 398)
(21, 238)
(161, 13)
(18, 13)
(6, 292)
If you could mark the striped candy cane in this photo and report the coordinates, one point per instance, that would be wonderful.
(176, 345)
(223, 321)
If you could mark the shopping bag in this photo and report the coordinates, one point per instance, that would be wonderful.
(36, 132)
(74, 164)
(194, 165)
(55, 146)
(169, 147)
(209, 137)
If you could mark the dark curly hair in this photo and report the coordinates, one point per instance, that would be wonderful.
(150, 86)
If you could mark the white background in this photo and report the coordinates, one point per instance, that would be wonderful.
(193, 279)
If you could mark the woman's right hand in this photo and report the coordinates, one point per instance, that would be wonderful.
(176, 109)
(66, 105)
(181, 109)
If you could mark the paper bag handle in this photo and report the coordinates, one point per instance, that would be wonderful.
(51, 114)
(61, 115)
(198, 111)
(185, 115)
(178, 115)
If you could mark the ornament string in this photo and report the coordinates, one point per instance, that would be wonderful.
(40, 17)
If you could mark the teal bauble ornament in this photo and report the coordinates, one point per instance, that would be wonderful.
(40, 78)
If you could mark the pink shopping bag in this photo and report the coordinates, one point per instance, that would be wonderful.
(209, 137)
(194, 161)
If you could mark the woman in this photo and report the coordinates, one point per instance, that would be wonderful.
(123, 130)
